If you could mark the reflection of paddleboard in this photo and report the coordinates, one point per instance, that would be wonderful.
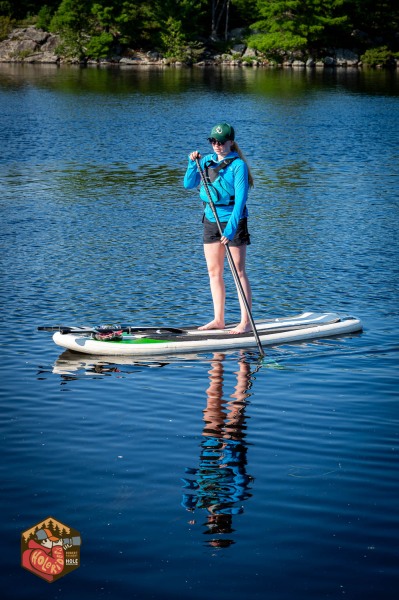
(71, 363)
(171, 340)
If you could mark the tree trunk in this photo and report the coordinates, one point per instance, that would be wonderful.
(226, 30)
(218, 8)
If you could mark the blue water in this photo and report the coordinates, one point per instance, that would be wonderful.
(210, 475)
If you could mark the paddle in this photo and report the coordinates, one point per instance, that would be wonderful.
(230, 260)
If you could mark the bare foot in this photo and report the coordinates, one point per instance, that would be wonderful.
(212, 325)
(241, 328)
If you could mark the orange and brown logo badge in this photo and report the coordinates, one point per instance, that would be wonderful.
(50, 549)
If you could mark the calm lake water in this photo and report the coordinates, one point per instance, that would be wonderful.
(211, 475)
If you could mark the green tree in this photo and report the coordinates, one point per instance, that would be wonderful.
(72, 22)
(6, 9)
(174, 42)
(100, 45)
(135, 22)
(193, 16)
(99, 27)
(44, 17)
(380, 57)
(103, 32)
(6, 21)
(19, 9)
(373, 20)
(104, 14)
(244, 12)
(293, 24)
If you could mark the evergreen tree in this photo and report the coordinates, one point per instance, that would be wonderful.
(286, 25)
(72, 21)
(97, 28)
(374, 21)
(134, 21)
(173, 40)
(20, 9)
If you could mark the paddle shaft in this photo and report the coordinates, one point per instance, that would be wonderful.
(230, 260)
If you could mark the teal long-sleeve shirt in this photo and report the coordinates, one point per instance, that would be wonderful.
(236, 175)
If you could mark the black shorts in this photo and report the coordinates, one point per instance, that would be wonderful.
(212, 234)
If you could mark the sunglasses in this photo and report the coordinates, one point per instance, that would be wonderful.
(214, 142)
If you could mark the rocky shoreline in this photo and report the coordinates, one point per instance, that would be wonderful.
(35, 46)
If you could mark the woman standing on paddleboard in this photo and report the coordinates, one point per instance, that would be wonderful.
(228, 180)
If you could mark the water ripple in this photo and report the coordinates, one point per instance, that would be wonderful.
(205, 471)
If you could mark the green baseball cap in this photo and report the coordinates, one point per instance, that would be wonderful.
(222, 132)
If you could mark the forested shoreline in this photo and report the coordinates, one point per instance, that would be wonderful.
(254, 31)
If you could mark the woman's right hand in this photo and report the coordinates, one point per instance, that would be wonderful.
(195, 155)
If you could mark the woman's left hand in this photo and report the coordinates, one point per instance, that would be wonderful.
(224, 240)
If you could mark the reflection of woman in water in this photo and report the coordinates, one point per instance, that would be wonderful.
(221, 483)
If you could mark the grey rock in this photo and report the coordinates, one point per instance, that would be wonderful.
(29, 45)
(342, 54)
(329, 61)
(42, 57)
(37, 35)
(51, 43)
(250, 52)
(239, 48)
(299, 64)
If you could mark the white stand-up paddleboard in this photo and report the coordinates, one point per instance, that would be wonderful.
(132, 340)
